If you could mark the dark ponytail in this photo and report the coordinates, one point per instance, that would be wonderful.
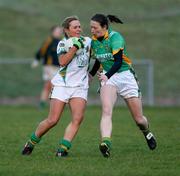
(104, 20)
(113, 18)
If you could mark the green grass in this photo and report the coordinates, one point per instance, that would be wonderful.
(26, 82)
(130, 155)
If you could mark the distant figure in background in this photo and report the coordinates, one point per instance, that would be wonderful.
(48, 54)
(117, 78)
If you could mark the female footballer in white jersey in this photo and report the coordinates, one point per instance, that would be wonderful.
(70, 86)
(117, 78)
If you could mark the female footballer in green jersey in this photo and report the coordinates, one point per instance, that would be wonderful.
(117, 78)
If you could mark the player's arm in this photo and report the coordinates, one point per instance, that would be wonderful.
(42, 51)
(117, 64)
(65, 57)
(117, 45)
(95, 68)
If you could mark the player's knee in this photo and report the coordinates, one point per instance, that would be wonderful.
(52, 122)
(77, 121)
(107, 111)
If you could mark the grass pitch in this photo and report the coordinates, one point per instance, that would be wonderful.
(130, 155)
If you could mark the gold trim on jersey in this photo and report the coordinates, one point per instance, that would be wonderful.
(106, 35)
(116, 51)
(126, 59)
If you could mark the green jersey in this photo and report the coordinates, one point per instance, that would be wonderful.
(104, 50)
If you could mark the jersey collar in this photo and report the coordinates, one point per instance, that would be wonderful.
(106, 36)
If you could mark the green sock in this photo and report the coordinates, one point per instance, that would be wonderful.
(34, 139)
(65, 145)
(42, 104)
(107, 140)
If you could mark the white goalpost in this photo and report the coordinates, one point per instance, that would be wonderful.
(147, 78)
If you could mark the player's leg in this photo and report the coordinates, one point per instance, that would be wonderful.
(56, 109)
(135, 107)
(77, 106)
(108, 95)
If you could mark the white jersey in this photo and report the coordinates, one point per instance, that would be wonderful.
(75, 73)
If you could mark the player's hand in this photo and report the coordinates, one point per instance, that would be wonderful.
(34, 64)
(78, 43)
(102, 77)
